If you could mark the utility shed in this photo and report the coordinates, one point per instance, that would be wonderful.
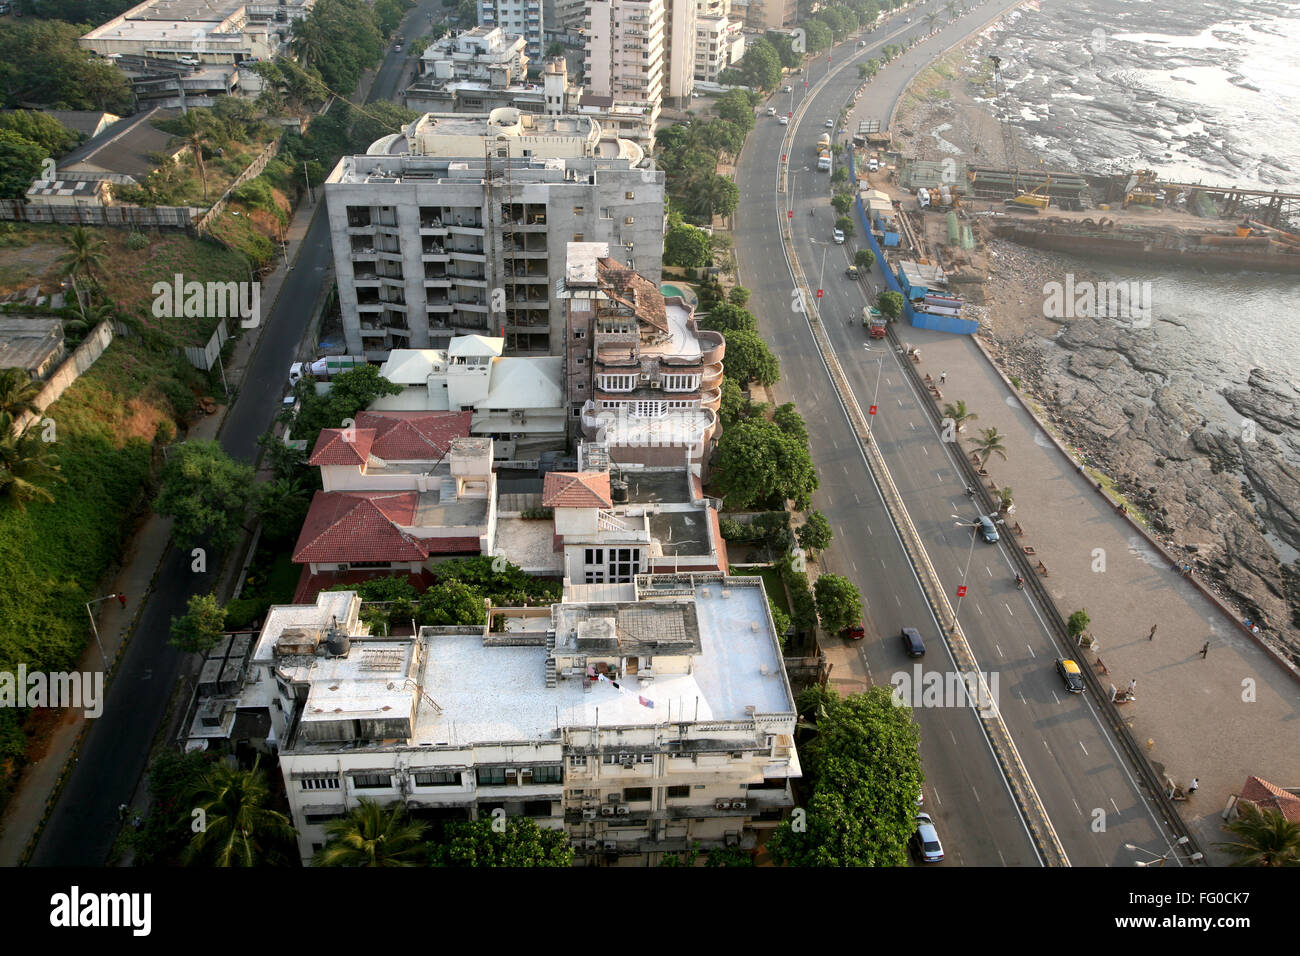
(34, 345)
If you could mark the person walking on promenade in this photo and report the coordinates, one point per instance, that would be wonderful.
(943, 376)
(1194, 786)
(1152, 635)
(1205, 649)
(1132, 684)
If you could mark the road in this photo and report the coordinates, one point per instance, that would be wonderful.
(84, 823)
(1089, 792)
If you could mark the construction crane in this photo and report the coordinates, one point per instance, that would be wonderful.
(1035, 199)
(1008, 134)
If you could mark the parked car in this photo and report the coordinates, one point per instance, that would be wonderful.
(926, 840)
(1070, 673)
(987, 529)
(854, 632)
(838, 236)
(783, 120)
(913, 643)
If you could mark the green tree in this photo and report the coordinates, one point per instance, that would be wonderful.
(451, 603)
(845, 225)
(817, 35)
(239, 829)
(523, 843)
(864, 258)
(85, 253)
(748, 359)
(989, 444)
(195, 125)
(815, 534)
(1077, 624)
(738, 295)
(376, 120)
(371, 835)
(959, 414)
(783, 44)
(711, 195)
(838, 602)
(556, 49)
(1264, 838)
(840, 175)
(761, 65)
(728, 318)
(27, 464)
(352, 392)
(206, 492)
(863, 771)
(202, 625)
(166, 832)
(732, 404)
(890, 303)
(42, 129)
(757, 462)
(735, 107)
(686, 246)
(842, 202)
(282, 505)
(803, 606)
(788, 419)
(18, 394)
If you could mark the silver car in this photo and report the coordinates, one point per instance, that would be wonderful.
(926, 840)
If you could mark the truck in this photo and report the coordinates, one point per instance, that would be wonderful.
(874, 320)
(324, 368)
(824, 152)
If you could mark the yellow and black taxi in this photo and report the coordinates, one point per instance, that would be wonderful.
(1071, 674)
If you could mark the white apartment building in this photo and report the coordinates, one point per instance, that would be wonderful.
(521, 18)
(719, 44)
(208, 31)
(714, 8)
(679, 51)
(762, 15)
(483, 53)
(639, 718)
(458, 226)
(625, 52)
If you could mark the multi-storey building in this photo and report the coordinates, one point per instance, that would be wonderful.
(521, 18)
(625, 52)
(198, 31)
(640, 718)
(714, 8)
(679, 51)
(458, 224)
(770, 14)
(642, 376)
(719, 44)
(565, 15)
(484, 53)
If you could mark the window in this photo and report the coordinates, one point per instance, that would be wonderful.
(634, 794)
(578, 211)
(595, 556)
(577, 761)
(579, 333)
(675, 792)
(322, 817)
(577, 413)
(319, 783)
(680, 383)
(437, 779)
(491, 776)
(551, 774)
(618, 383)
(629, 195)
(372, 781)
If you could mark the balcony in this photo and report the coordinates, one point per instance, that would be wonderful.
(712, 376)
(713, 347)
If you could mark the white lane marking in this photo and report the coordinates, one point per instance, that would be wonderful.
(926, 450)
(896, 598)
(853, 565)
(977, 794)
(980, 609)
(1031, 650)
(1008, 607)
(998, 648)
(1083, 748)
(1114, 804)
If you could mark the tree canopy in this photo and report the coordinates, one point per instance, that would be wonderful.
(838, 603)
(202, 625)
(206, 493)
(758, 462)
(685, 245)
(521, 843)
(728, 318)
(748, 359)
(352, 392)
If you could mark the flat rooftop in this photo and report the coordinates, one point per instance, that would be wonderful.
(648, 487)
(681, 532)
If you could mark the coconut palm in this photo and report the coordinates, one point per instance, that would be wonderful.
(197, 130)
(373, 836)
(989, 444)
(18, 393)
(1005, 498)
(1264, 838)
(239, 830)
(959, 415)
(25, 459)
(85, 254)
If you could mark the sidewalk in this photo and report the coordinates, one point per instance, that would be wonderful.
(1220, 718)
(145, 550)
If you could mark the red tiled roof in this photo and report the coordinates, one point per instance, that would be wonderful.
(634, 291)
(414, 436)
(569, 489)
(1269, 796)
(344, 527)
(333, 448)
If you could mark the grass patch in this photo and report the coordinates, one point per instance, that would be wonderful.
(771, 582)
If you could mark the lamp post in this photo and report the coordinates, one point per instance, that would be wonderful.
(880, 366)
(95, 628)
(1159, 859)
(966, 571)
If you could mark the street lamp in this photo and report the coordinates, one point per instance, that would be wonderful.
(1160, 859)
(880, 366)
(966, 572)
(95, 628)
(821, 283)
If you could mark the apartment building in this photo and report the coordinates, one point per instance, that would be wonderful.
(483, 53)
(642, 376)
(200, 31)
(625, 52)
(764, 15)
(458, 226)
(719, 44)
(679, 51)
(522, 18)
(640, 718)
(714, 8)
(565, 15)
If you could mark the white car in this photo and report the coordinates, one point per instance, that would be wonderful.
(786, 89)
(838, 237)
(830, 124)
(771, 111)
(783, 120)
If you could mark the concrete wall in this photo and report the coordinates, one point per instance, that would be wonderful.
(100, 337)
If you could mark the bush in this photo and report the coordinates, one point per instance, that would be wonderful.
(242, 612)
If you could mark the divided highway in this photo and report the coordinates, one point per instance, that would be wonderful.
(1088, 791)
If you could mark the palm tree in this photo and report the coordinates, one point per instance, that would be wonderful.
(18, 393)
(373, 836)
(24, 460)
(959, 415)
(1265, 838)
(85, 254)
(196, 132)
(240, 830)
(930, 19)
(1005, 497)
(990, 444)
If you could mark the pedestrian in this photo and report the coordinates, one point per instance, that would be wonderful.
(943, 376)
(1187, 570)
(1152, 635)
(1194, 786)
(1132, 684)
(1255, 629)
(137, 822)
(121, 811)
(1205, 649)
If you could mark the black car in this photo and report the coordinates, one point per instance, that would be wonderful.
(1070, 673)
(913, 643)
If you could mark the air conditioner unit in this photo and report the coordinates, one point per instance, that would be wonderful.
(629, 220)
(510, 774)
(739, 804)
(588, 814)
(626, 761)
(656, 385)
(623, 811)
(591, 804)
(722, 804)
(590, 844)
(611, 846)
(606, 811)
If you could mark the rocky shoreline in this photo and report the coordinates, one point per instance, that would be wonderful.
(1229, 501)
